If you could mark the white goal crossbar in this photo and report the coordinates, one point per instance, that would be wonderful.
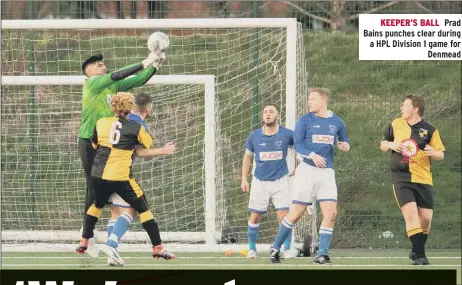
(289, 23)
(210, 236)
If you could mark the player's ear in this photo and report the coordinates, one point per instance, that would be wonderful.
(89, 68)
(85, 71)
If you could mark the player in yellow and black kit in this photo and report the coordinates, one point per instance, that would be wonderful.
(97, 91)
(413, 143)
(116, 138)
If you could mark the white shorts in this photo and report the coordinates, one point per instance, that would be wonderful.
(116, 200)
(262, 191)
(313, 183)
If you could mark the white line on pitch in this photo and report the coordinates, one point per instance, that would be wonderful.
(157, 265)
(231, 257)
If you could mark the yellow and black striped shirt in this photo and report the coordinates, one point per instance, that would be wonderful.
(412, 164)
(116, 138)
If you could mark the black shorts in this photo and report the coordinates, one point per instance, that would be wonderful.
(129, 190)
(422, 194)
(87, 155)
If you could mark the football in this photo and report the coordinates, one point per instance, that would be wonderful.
(158, 42)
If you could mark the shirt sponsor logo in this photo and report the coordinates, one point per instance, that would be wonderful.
(262, 144)
(270, 155)
(409, 151)
(408, 160)
(324, 139)
(409, 148)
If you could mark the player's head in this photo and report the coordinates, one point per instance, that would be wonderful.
(122, 104)
(412, 106)
(94, 66)
(143, 104)
(270, 115)
(318, 99)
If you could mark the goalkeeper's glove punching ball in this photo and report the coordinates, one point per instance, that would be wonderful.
(154, 59)
(158, 43)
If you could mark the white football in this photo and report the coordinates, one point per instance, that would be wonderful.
(158, 42)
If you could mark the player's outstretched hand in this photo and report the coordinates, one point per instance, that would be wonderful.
(169, 148)
(319, 161)
(344, 146)
(245, 185)
(159, 60)
(395, 146)
(429, 150)
(152, 57)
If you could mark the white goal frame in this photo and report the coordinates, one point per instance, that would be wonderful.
(210, 236)
(289, 23)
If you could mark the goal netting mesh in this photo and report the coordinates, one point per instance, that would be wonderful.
(42, 181)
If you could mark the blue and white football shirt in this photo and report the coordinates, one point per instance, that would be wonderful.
(270, 152)
(137, 118)
(319, 135)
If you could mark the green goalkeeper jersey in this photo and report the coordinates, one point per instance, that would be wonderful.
(98, 91)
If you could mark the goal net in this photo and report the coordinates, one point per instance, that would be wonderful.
(195, 194)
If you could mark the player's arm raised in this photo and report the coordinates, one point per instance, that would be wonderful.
(299, 136)
(436, 148)
(98, 83)
(388, 143)
(142, 77)
(246, 162)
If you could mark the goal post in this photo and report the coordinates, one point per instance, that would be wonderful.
(290, 24)
(225, 48)
(212, 231)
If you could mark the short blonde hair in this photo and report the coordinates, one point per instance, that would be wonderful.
(123, 103)
(321, 91)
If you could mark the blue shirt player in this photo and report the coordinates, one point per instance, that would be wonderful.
(269, 145)
(315, 136)
(121, 213)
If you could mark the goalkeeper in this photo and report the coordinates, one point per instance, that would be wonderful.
(98, 90)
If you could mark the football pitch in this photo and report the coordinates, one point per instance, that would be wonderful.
(342, 259)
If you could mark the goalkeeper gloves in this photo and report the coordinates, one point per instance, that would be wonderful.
(149, 60)
(154, 59)
(160, 58)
